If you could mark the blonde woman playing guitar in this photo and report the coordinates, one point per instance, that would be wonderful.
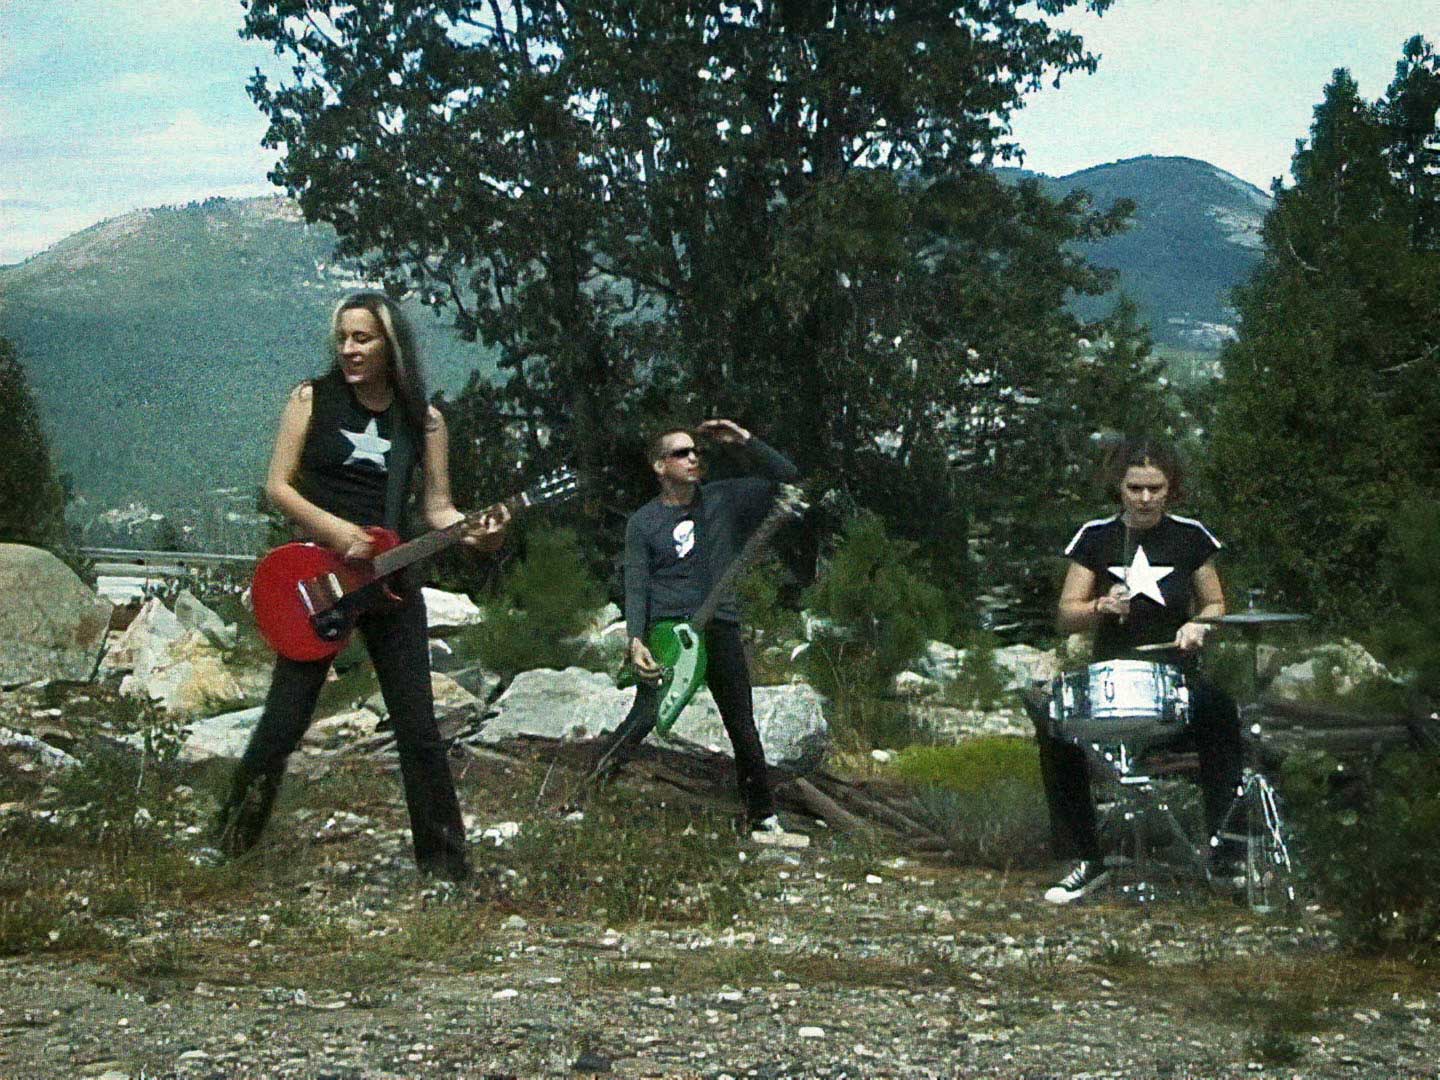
(347, 446)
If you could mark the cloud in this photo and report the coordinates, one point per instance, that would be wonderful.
(140, 84)
(189, 131)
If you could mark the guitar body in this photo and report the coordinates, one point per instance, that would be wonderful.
(296, 588)
(680, 650)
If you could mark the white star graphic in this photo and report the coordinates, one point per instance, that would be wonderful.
(1141, 578)
(369, 446)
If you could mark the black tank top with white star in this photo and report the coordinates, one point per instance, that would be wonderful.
(344, 464)
(1159, 566)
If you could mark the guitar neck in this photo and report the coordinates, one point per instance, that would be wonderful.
(436, 541)
(737, 566)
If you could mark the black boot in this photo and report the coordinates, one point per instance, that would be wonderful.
(242, 819)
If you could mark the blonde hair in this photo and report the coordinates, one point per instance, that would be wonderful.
(405, 370)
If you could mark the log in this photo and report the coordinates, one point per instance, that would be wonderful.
(1324, 717)
(820, 805)
(1352, 740)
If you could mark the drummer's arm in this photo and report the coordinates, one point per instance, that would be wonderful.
(1078, 608)
(1210, 597)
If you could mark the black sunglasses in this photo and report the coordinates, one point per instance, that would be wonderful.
(683, 451)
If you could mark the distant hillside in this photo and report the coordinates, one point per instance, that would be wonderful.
(161, 344)
(1196, 235)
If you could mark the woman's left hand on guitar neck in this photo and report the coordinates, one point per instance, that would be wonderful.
(484, 531)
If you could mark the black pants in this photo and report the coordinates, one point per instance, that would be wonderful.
(396, 640)
(1214, 732)
(728, 677)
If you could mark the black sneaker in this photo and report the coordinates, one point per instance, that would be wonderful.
(1086, 876)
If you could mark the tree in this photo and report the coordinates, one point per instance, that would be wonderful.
(777, 210)
(1324, 419)
(32, 499)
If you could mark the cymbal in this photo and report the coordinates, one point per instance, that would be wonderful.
(1253, 617)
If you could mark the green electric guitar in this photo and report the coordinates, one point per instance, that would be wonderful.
(678, 646)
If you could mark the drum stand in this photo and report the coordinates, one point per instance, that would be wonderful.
(1141, 803)
(1253, 823)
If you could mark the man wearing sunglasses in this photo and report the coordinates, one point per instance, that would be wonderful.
(676, 545)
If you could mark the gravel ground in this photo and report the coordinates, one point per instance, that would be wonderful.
(325, 957)
(910, 971)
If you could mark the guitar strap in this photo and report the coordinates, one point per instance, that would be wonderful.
(402, 455)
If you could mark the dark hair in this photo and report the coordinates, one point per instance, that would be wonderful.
(655, 445)
(407, 376)
(1145, 452)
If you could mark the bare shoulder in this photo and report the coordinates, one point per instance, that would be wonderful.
(434, 420)
(303, 392)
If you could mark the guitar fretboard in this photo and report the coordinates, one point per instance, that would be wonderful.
(432, 543)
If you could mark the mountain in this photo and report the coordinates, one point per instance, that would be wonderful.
(1194, 237)
(161, 344)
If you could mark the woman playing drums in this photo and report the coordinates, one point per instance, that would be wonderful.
(1140, 578)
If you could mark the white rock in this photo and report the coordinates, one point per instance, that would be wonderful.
(811, 1033)
(447, 609)
(449, 696)
(52, 625)
(908, 684)
(188, 676)
(193, 615)
(498, 834)
(1348, 660)
(38, 749)
(575, 703)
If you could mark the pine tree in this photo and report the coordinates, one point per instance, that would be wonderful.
(1324, 422)
(32, 499)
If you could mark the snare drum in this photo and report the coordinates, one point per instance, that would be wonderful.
(1130, 702)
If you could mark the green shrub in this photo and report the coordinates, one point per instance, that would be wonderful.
(1412, 633)
(981, 682)
(1367, 843)
(973, 765)
(984, 796)
(546, 599)
(880, 615)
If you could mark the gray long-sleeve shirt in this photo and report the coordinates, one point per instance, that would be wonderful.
(673, 553)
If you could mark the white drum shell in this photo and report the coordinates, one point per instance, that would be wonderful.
(1120, 701)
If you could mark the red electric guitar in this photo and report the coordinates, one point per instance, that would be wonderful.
(307, 598)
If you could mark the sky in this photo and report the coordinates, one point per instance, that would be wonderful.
(108, 106)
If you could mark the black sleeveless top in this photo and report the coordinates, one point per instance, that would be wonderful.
(345, 462)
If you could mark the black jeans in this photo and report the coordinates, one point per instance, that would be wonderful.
(1214, 732)
(728, 677)
(395, 637)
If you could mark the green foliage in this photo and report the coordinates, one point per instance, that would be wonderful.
(973, 765)
(872, 598)
(748, 216)
(1325, 418)
(32, 501)
(1368, 844)
(878, 616)
(1412, 633)
(546, 599)
(984, 796)
(980, 683)
(623, 865)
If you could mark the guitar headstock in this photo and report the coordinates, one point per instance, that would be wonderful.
(552, 487)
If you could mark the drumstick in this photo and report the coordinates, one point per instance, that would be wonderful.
(1156, 646)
